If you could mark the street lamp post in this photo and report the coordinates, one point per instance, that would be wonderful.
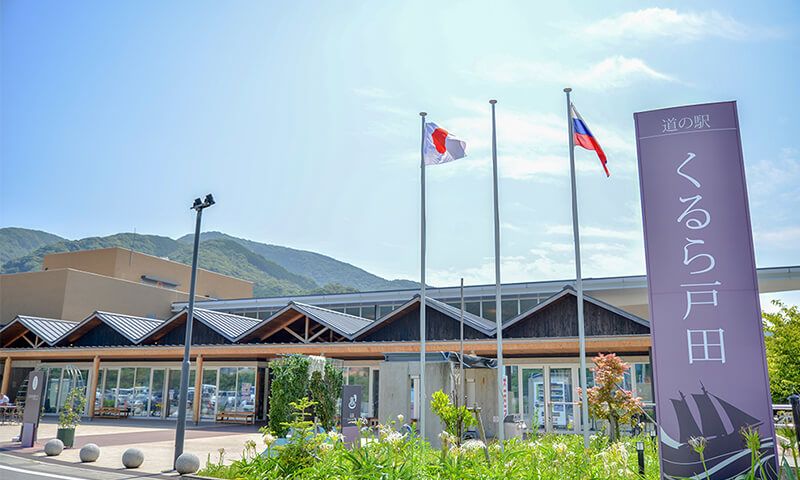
(197, 206)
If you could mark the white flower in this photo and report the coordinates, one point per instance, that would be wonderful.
(269, 440)
(326, 446)
(400, 418)
(560, 447)
(473, 444)
(393, 438)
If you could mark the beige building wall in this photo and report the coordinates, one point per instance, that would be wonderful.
(132, 266)
(74, 295)
(40, 294)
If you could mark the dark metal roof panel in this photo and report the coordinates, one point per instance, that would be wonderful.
(487, 327)
(133, 328)
(227, 324)
(343, 323)
(569, 290)
(48, 329)
(479, 323)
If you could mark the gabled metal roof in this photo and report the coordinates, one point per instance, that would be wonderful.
(569, 290)
(342, 323)
(131, 327)
(47, 329)
(477, 322)
(226, 324)
(339, 322)
(487, 327)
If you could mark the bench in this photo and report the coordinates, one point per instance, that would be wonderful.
(235, 417)
(115, 412)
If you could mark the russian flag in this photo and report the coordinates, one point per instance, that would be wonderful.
(583, 136)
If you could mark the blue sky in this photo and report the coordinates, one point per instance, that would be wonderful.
(302, 119)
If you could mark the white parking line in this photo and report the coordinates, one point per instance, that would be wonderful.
(41, 474)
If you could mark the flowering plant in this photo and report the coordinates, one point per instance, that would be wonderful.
(606, 400)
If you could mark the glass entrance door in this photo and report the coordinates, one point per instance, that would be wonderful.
(533, 396)
(173, 393)
(561, 392)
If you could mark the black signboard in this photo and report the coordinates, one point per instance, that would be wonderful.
(33, 406)
(351, 404)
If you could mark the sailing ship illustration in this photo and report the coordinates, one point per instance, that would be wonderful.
(721, 422)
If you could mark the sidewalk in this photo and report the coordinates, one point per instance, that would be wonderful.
(156, 439)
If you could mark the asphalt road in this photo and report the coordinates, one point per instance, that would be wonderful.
(13, 467)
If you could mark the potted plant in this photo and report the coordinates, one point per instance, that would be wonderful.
(70, 416)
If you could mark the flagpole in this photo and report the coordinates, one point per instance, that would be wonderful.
(422, 398)
(498, 310)
(578, 279)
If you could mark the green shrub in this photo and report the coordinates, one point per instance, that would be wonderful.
(324, 391)
(289, 384)
(455, 419)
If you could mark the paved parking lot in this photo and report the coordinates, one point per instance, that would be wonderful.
(155, 439)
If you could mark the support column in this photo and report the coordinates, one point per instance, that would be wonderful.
(6, 377)
(198, 389)
(91, 391)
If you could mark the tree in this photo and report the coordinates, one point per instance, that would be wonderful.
(607, 401)
(783, 350)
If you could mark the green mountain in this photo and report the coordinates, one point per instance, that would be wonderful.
(18, 242)
(321, 268)
(220, 255)
(274, 270)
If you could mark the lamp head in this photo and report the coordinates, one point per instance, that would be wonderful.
(639, 446)
(197, 203)
(209, 200)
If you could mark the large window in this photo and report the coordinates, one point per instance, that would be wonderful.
(512, 372)
(157, 393)
(226, 398)
(140, 403)
(110, 387)
(644, 382)
(209, 394)
(53, 389)
(125, 394)
(246, 389)
(357, 375)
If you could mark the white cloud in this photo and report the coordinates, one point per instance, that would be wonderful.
(665, 23)
(776, 178)
(531, 145)
(372, 92)
(549, 261)
(613, 72)
(781, 238)
(596, 232)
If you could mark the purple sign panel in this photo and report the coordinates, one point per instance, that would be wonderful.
(709, 363)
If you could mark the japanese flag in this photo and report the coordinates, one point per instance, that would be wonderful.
(440, 146)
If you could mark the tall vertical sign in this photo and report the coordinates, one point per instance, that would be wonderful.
(708, 345)
(33, 405)
(351, 411)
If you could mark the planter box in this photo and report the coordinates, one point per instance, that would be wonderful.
(66, 435)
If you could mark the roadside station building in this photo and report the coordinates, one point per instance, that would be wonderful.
(134, 362)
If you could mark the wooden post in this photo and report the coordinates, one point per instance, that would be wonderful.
(198, 389)
(6, 377)
(91, 391)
